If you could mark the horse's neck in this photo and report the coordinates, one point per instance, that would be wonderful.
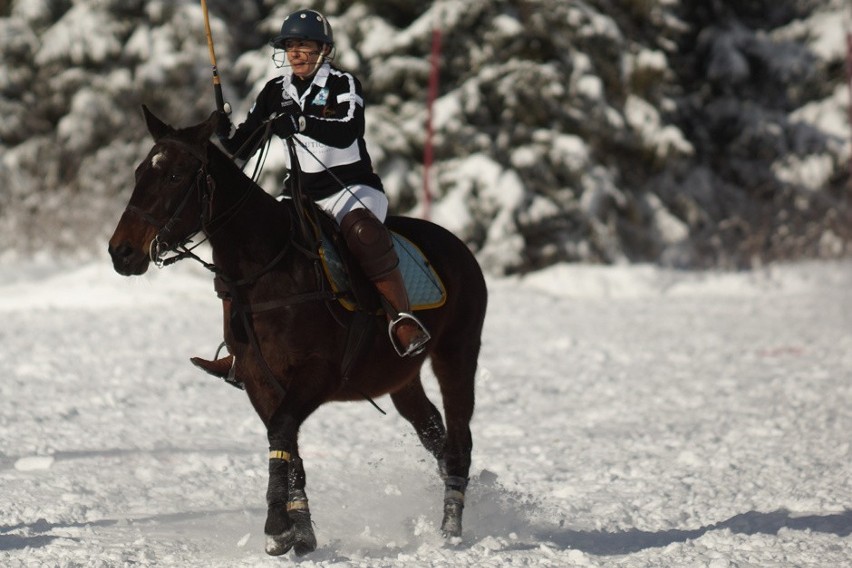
(248, 226)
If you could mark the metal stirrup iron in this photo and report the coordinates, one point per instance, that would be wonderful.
(417, 345)
(231, 379)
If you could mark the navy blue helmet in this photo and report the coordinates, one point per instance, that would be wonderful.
(304, 24)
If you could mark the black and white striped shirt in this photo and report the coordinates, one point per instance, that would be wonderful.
(333, 108)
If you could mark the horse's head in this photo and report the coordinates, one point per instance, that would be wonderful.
(164, 210)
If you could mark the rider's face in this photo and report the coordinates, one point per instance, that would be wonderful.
(302, 54)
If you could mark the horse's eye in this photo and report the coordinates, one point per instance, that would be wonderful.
(174, 178)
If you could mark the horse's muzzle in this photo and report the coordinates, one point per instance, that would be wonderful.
(127, 260)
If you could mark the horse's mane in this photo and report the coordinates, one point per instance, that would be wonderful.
(220, 157)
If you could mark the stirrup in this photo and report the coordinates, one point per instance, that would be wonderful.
(231, 379)
(418, 345)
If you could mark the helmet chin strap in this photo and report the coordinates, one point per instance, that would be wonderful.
(324, 54)
(318, 64)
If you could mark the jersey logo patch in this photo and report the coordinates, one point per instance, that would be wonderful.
(322, 97)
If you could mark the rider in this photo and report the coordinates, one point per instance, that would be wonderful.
(323, 108)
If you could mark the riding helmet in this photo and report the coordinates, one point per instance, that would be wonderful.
(304, 24)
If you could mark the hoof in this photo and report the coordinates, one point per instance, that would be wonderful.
(451, 526)
(276, 545)
(306, 541)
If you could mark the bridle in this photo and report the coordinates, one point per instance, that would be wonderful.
(160, 246)
(202, 187)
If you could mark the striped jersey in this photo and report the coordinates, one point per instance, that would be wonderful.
(333, 138)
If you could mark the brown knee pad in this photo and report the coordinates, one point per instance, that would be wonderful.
(370, 243)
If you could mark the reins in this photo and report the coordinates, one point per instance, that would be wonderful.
(204, 187)
(305, 221)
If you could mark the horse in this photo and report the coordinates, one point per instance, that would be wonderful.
(287, 334)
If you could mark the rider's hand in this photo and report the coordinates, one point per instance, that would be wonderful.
(290, 120)
(287, 124)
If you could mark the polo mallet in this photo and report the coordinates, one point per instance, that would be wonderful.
(217, 84)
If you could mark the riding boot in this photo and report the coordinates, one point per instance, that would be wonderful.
(370, 243)
(224, 367)
(408, 335)
(218, 367)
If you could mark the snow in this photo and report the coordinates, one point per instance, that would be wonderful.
(568, 96)
(626, 416)
(810, 173)
(83, 35)
(570, 150)
(664, 140)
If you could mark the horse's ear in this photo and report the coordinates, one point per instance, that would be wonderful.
(211, 123)
(156, 127)
(200, 134)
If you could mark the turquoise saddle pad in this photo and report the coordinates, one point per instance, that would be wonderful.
(424, 286)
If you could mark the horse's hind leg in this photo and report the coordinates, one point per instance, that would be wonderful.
(456, 373)
(412, 404)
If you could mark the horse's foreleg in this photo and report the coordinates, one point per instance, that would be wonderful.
(279, 529)
(288, 520)
(297, 507)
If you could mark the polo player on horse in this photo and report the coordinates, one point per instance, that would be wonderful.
(322, 108)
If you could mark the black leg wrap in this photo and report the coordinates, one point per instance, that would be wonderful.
(280, 533)
(454, 489)
(297, 508)
(279, 475)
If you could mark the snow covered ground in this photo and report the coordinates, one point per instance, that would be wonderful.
(627, 416)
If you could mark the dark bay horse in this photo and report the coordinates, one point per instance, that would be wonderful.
(289, 357)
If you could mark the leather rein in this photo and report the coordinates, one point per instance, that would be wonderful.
(204, 186)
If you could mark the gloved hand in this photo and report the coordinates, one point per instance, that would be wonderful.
(289, 121)
(223, 127)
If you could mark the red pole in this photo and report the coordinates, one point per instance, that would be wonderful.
(428, 156)
(849, 85)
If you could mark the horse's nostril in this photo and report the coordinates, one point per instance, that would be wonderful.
(121, 252)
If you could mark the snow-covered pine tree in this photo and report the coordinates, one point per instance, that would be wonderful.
(687, 133)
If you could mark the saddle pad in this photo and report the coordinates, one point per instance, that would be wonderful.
(424, 286)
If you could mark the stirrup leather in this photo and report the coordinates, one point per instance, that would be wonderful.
(417, 345)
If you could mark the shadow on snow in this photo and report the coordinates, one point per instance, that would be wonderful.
(498, 512)
(604, 543)
(492, 512)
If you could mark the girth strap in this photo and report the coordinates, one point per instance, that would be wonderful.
(258, 307)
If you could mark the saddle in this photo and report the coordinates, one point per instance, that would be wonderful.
(356, 293)
(353, 290)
